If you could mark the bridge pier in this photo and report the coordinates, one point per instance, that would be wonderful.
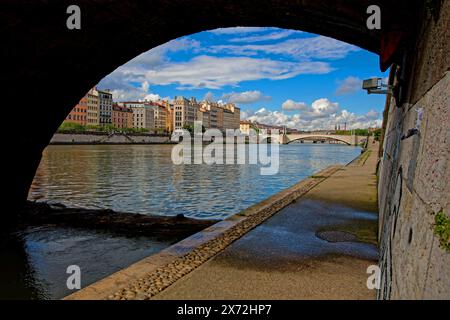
(284, 139)
(354, 140)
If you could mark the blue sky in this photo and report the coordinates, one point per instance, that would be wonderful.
(276, 76)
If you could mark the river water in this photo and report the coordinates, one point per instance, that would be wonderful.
(134, 178)
(143, 179)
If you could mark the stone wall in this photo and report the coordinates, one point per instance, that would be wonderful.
(414, 174)
(66, 138)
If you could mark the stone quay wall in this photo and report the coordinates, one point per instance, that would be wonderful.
(114, 138)
(414, 174)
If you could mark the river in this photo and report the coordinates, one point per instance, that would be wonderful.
(143, 179)
(135, 178)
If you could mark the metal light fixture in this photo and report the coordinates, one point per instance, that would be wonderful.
(376, 86)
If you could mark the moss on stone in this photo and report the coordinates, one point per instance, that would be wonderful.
(442, 230)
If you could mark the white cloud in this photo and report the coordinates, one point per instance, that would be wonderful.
(321, 108)
(291, 105)
(238, 30)
(207, 71)
(145, 86)
(120, 81)
(319, 47)
(245, 97)
(349, 85)
(209, 96)
(128, 94)
(322, 114)
(152, 97)
(265, 116)
(279, 34)
(157, 55)
(214, 73)
(133, 70)
(372, 115)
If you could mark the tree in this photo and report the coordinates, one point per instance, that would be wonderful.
(377, 134)
(189, 127)
(70, 126)
(109, 128)
(93, 127)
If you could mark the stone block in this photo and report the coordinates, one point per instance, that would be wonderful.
(432, 175)
(411, 248)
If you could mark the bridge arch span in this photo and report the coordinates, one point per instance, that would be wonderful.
(348, 139)
(319, 138)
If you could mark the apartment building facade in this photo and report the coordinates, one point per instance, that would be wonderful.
(97, 108)
(245, 127)
(78, 114)
(122, 117)
(92, 118)
(203, 115)
(184, 112)
(169, 122)
(232, 121)
(228, 119)
(160, 115)
(143, 117)
(215, 114)
(105, 103)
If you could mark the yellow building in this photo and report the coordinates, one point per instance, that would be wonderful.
(235, 122)
(184, 112)
(160, 116)
(169, 118)
(245, 127)
(93, 114)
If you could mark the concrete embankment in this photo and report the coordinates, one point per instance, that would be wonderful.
(220, 261)
(104, 138)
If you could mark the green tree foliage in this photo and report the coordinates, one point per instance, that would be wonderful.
(70, 126)
(189, 127)
(377, 134)
(358, 132)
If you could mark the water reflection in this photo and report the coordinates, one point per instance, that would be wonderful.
(142, 178)
(134, 179)
(17, 276)
(37, 259)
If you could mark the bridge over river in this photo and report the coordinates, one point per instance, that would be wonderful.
(352, 140)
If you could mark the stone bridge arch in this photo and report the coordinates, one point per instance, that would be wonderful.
(345, 139)
(46, 68)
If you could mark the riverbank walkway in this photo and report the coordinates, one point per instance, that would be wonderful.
(318, 247)
(314, 240)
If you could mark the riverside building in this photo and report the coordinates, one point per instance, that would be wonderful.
(92, 108)
(105, 103)
(184, 112)
(78, 114)
(122, 117)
